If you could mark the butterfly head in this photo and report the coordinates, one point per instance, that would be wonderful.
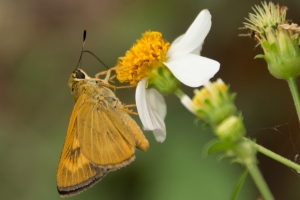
(76, 76)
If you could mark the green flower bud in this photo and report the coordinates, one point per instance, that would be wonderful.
(282, 55)
(231, 129)
(214, 103)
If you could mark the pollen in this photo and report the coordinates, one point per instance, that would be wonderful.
(146, 55)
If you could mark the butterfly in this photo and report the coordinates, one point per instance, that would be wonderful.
(101, 135)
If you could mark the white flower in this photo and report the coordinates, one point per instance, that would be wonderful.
(190, 69)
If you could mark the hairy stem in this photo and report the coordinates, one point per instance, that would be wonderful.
(275, 156)
(294, 90)
(260, 182)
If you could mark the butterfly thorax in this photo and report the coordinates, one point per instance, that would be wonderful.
(80, 83)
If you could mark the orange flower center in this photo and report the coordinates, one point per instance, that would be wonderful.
(146, 55)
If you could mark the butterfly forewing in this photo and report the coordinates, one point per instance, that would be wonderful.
(75, 172)
(107, 140)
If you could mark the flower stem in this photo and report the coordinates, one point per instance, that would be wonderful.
(260, 182)
(275, 156)
(178, 92)
(294, 90)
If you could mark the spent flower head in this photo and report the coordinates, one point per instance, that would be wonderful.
(278, 37)
(156, 68)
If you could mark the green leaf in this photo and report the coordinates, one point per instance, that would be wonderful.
(215, 146)
(233, 96)
(205, 126)
(259, 56)
(239, 185)
(197, 121)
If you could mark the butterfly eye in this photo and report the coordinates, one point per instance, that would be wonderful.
(79, 75)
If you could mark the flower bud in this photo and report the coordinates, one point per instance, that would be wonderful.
(282, 55)
(231, 129)
(214, 103)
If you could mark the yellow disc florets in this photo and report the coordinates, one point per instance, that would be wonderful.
(211, 92)
(146, 55)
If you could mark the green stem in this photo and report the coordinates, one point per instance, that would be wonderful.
(178, 92)
(294, 90)
(275, 156)
(260, 182)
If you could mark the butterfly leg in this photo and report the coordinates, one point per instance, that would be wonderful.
(111, 78)
(107, 72)
(101, 82)
(126, 86)
(128, 111)
(105, 81)
(129, 105)
(124, 107)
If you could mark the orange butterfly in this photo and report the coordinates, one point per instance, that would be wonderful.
(101, 135)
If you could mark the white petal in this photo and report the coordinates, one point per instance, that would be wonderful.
(175, 46)
(177, 40)
(152, 109)
(188, 103)
(198, 50)
(195, 51)
(192, 70)
(194, 36)
(157, 102)
(159, 135)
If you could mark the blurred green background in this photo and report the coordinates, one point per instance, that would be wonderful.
(40, 47)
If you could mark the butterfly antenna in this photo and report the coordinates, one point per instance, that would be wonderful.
(83, 43)
(86, 51)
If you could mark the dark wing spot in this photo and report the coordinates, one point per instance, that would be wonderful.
(74, 154)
